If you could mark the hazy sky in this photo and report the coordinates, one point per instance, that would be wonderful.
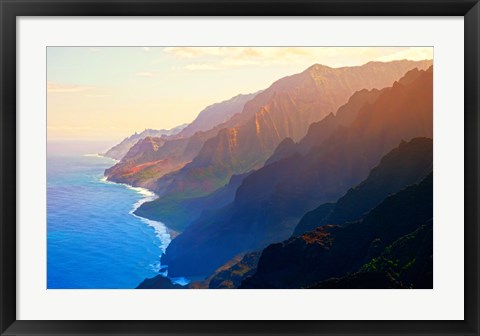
(108, 93)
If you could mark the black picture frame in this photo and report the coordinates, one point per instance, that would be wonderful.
(10, 10)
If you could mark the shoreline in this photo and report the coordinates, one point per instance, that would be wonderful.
(164, 234)
(140, 190)
(161, 230)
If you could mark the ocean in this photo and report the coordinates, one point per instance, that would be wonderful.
(94, 240)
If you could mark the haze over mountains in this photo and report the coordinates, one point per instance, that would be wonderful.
(270, 201)
(405, 165)
(310, 164)
(216, 114)
(286, 109)
(338, 250)
(167, 154)
(117, 152)
(207, 119)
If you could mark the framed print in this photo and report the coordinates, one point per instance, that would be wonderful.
(239, 168)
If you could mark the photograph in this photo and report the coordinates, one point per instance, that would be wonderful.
(239, 167)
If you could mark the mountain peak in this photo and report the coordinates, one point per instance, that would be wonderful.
(319, 67)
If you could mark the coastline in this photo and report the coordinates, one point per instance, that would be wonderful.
(149, 196)
(162, 231)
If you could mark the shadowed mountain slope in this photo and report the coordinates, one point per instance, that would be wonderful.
(286, 109)
(270, 201)
(333, 251)
(179, 213)
(407, 164)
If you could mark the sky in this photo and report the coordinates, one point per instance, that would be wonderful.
(108, 93)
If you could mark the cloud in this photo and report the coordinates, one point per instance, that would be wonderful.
(144, 74)
(201, 66)
(97, 95)
(217, 58)
(195, 52)
(227, 57)
(240, 53)
(414, 54)
(69, 128)
(67, 88)
(237, 62)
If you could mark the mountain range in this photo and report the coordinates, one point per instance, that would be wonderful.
(216, 114)
(403, 166)
(407, 164)
(284, 110)
(388, 232)
(403, 264)
(322, 180)
(118, 151)
(167, 154)
(270, 201)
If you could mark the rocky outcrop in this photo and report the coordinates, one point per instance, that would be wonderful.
(159, 282)
(233, 273)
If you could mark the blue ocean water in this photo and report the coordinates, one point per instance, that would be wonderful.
(93, 238)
